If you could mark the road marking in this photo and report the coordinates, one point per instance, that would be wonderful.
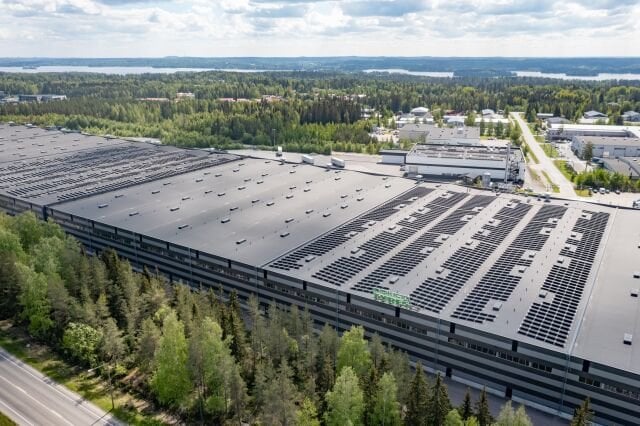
(16, 413)
(85, 405)
(38, 402)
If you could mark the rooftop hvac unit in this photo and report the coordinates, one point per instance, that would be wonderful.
(627, 338)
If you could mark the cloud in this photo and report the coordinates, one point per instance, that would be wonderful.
(319, 27)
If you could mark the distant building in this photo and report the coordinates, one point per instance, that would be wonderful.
(544, 115)
(569, 131)
(607, 147)
(423, 117)
(627, 166)
(556, 120)
(185, 95)
(594, 115)
(420, 112)
(160, 100)
(631, 116)
(41, 98)
(424, 133)
(454, 120)
(488, 112)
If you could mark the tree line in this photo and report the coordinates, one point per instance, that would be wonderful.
(197, 354)
(316, 112)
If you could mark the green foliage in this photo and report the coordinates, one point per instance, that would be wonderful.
(171, 382)
(354, 352)
(81, 342)
(601, 178)
(36, 307)
(482, 413)
(453, 418)
(418, 400)
(510, 417)
(583, 415)
(466, 408)
(307, 414)
(386, 410)
(280, 396)
(439, 404)
(345, 403)
(587, 152)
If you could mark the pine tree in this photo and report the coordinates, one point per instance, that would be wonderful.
(418, 400)
(466, 408)
(439, 404)
(583, 415)
(483, 414)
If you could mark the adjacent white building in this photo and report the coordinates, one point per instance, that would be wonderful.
(608, 147)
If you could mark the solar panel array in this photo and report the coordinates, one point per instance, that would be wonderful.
(435, 293)
(550, 320)
(400, 264)
(93, 171)
(345, 232)
(505, 274)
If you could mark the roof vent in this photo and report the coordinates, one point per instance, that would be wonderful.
(185, 198)
(308, 211)
(225, 219)
(220, 194)
(543, 294)
(393, 279)
(388, 185)
(628, 337)
(206, 173)
(327, 214)
(344, 206)
(236, 170)
(497, 306)
(292, 171)
(292, 187)
(134, 213)
(308, 182)
(309, 258)
(218, 174)
(102, 206)
(360, 198)
(270, 203)
(183, 226)
(307, 189)
(353, 233)
(358, 189)
(337, 178)
(166, 183)
(241, 240)
(264, 174)
(635, 292)
(440, 270)
(343, 196)
(234, 208)
(255, 201)
(173, 209)
(240, 188)
(636, 274)
(208, 191)
(284, 234)
(392, 227)
(199, 180)
(289, 196)
(355, 250)
(259, 182)
(288, 220)
(119, 196)
(247, 179)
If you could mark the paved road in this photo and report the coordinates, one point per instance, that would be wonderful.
(546, 164)
(30, 398)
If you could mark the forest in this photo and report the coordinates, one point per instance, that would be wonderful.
(316, 112)
(195, 353)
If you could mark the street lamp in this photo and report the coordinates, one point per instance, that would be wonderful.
(91, 370)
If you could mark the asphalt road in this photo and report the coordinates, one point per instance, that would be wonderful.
(31, 398)
(546, 164)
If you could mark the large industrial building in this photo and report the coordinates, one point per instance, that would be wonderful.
(537, 300)
(569, 131)
(607, 147)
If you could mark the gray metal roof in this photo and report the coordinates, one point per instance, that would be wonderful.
(258, 197)
(610, 140)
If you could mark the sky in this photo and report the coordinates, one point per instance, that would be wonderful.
(156, 28)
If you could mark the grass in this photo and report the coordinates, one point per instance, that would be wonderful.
(550, 150)
(582, 192)
(531, 155)
(554, 187)
(566, 170)
(90, 386)
(539, 138)
(6, 421)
